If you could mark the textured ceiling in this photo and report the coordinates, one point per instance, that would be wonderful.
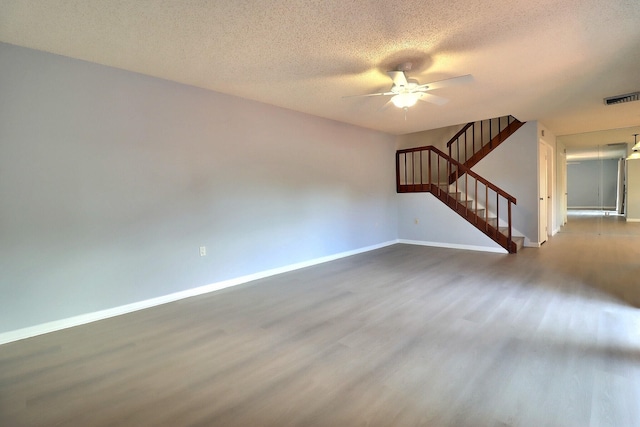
(546, 60)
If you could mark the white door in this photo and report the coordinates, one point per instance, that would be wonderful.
(542, 196)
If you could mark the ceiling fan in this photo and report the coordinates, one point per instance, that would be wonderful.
(406, 92)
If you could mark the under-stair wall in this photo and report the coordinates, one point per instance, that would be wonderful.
(423, 219)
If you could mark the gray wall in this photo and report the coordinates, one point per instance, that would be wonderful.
(110, 181)
(592, 183)
(436, 137)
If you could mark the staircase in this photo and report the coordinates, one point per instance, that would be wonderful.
(480, 202)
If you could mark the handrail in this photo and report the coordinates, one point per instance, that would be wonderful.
(460, 132)
(462, 167)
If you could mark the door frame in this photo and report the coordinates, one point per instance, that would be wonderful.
(546, 224)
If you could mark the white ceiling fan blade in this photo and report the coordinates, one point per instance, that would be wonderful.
(370, 94)
(433, 99)
(386, 105)
(453, 81)
(398, 77)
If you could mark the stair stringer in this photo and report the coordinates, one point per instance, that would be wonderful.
(502, 223)
(476, 214)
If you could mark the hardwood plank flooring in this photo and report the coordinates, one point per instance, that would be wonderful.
(401, 336)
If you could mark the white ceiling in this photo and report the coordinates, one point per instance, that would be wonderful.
(546, 60)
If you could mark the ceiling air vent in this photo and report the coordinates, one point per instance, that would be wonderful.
(620, 99)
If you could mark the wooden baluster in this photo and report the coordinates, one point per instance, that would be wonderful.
(490, 133)
(397, 172)
(438, 167)
(405, 169)
(509, 219)
(475, 197)
(449, 174)
(429, 168)
(413, 170)
(473, 136)
(421, 183)
(456, 192)
(486, 205)
(466, 193)
(465, 149)
(497, 213)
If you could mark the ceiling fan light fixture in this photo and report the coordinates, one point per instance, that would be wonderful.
(636, 148)
(405, 100)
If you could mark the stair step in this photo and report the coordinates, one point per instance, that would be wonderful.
(519, 241)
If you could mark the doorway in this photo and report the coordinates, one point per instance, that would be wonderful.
(595, 186)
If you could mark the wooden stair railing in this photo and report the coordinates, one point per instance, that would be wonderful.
(426, 169)
(477, 139)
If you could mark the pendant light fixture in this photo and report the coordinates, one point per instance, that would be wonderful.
(636, 149)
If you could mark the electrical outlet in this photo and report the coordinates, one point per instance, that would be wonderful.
(203, 250)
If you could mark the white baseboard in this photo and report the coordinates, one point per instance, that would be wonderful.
(82, 319)
(633, 219)
(454, 246)
(592, 208)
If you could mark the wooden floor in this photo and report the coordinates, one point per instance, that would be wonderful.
(402, 336)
